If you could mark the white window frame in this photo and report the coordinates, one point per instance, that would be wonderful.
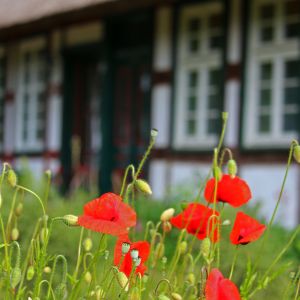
(32, 143)
(207, 60)
(277, 52)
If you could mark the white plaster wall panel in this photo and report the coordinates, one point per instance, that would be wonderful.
(232, 95)
(265, 182)
(234, 34)
(86, 33)
(158, 178)
(163, 39)
(160, 113)
(54, 121)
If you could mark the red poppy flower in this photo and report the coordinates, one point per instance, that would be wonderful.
(125, 263)
(245, 229)
(108, 214)
(219, 288)
(195, 219)
(234, 191)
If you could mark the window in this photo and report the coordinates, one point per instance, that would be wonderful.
(272, 107)
(31, 102)
(199, 76)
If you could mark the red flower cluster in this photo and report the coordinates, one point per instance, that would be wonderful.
(108, 214)
(245, 229)
(125, 263)
(195, 219)
(233, 191)
(220, 288)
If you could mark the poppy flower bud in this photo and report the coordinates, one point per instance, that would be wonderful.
(30, 273)
(232, 168)
(154, 132)
(12, 177)
(43, 234)
(88, 277)
(163, 297)
(167, 226)
(134, 254)
(122, 279)
(87, 244)
(19, 209)
(125, 248)
(183, 247)
(15, 234)
(167, 214)
(205, 247)
(152, 232)
(191, 278)
(143, 186)
(160, 250)
(297, 153)
(145, 278)
(226, 222)
(224, 115)
(70, 220)
(137, 261)
(15, 277)
(47, 270)
(176, 296)
(217, 173)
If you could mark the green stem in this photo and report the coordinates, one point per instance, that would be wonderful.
(5, 245)
(125, 178)
(233, 262)
(48, 183)
(78, 254)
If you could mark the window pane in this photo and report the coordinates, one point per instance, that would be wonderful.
(292, 96)
(193, 78)
(193, 45)
(215, 77)
(266, 71)
(292, 69)
(194, 25)
(192, 103)
(191, 127)
(267, 11)
(267, 34)
(292, 8)
(214, 101)
(291, 122)
(214, 126)
(264, 123)
(265, 97)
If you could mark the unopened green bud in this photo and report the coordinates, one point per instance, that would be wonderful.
(167, 214)
(15, 277)
(44, 234)
(224, 115)
(125, 248)
(15, 234)
(154, 132)
(12, 177)
(88, 277)
(218, 173)
(122, 279)
(176, 296)
(19, 209)
(166, 226)
(297, 153)
(87, 244)
(183, 247)
(232, 167)
(70, 220)
(163, 297)
(191, 278)
(47, 270)
(159, 250)
(30, 273)
(143, 186)
(205, 247)
(145, 278)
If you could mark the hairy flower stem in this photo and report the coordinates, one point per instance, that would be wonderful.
(11, 212)
(78, 254)
(47, 189)
(233, 262)
(130, 167)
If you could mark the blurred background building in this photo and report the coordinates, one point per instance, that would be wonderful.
(82, 83)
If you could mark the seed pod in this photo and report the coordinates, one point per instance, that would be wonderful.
(12, 177)
(125, 248)
(87, 244)
(88, 277)
(154, 132)
(15, 277)
(176, 296)
(134, 254)
(205, 247)
(70, 220)
(143, 186)
(15, 234)
(44, 234)
(122, 279)
(297, 153)
(159, 250)
(232, 167)
(47, 270)
(183, 247)
(167, 226)
(163, 297)
(226, 222)
(30, 273)
(191, 278)
(19, 209)
(167, 214)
